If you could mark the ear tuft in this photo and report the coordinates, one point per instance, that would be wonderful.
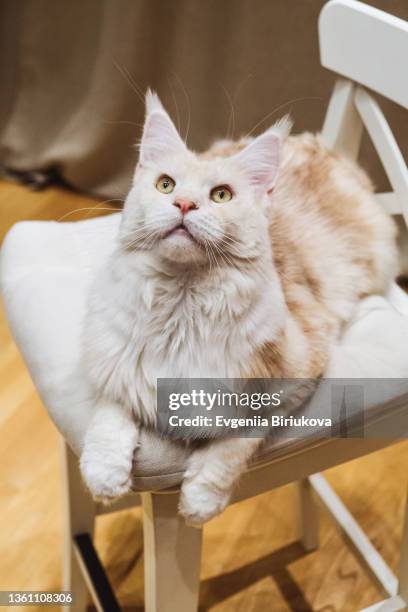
(260, 159)
(153, 102)
(160, 136)
(283, 127)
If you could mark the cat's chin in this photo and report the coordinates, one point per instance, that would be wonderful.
(180, 247)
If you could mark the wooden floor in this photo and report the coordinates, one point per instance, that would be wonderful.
(251, 560)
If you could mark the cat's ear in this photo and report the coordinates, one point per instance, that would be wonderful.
(260, 160)
(160, 136)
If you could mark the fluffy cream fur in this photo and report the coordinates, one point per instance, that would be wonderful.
(257, 286)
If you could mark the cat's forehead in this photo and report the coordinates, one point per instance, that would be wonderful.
(198, 168)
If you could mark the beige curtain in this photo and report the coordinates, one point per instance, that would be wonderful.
(71, 72)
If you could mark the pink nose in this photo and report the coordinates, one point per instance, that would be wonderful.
(185, 205)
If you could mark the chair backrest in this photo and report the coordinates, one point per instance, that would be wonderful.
(366, 45)
(368, 48)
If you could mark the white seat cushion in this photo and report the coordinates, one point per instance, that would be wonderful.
(46, 268)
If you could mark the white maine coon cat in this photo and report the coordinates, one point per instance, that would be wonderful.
(243, 261)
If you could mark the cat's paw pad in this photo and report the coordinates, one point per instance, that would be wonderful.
(105, 481)
(200, 502)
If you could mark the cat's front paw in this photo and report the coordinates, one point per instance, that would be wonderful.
(200, 501)
(106, 480)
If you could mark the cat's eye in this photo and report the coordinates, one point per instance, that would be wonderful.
(165, 184)
(221, 194)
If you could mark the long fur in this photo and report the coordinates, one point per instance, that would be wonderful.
(261, 288)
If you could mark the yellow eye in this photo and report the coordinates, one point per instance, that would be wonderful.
(165, 184)
(221, 194)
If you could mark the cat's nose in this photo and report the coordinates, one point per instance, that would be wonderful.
(185, 205)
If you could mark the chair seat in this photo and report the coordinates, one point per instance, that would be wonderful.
(46, 268)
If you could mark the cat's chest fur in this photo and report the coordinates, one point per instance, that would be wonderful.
(144, 324)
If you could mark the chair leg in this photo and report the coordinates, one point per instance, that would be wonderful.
(79, 517)
(403, 568)
(343, 128)
(308, 515)
(172, 553)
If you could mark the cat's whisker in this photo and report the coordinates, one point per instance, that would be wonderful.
(230, 241)
(231, 118)
(278, 108)
(186, 96)
(173, 95)
(129, 79)
(148, 241)
(208, 255)
(91, 208)
(141, 226)
(251, 262)
(151, 228)
(141, 240)
(241, 85)
(213, 254)
(224, 256)
(124, 122)
(145, 226)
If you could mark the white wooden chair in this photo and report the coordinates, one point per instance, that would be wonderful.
(45, 271)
